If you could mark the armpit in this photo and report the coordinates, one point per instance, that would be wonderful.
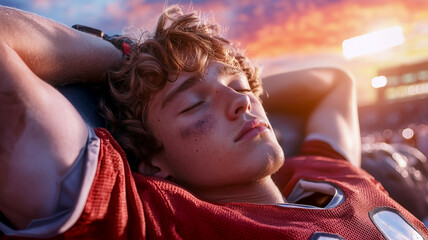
(12, 119)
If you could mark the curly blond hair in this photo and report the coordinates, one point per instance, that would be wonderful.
(180, 43)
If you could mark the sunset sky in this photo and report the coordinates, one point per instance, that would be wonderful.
(281, 35)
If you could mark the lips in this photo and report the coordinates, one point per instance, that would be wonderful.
(251, 129)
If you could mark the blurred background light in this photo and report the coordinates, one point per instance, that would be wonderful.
(379, 81)
(373, 42)
(408, 133)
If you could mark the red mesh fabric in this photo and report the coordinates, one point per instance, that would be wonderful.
(113, 206)
(122, 205)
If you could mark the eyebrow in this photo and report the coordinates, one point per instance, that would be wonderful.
(188, 83)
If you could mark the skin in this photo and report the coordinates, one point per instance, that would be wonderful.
(327, 100)
(13, 123)
(41, 134)
(198, 128)
(38, 148)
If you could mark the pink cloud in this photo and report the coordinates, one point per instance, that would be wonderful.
(42, 4)
(322, 29)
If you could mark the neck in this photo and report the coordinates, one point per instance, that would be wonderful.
(262, 192)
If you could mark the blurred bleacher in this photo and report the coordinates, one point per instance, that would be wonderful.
(394, 134)
(400, 115)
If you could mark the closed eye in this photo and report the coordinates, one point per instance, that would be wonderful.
(192, 107)
(244, 90)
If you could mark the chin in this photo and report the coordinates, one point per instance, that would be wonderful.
(276, 161)
(272, 160)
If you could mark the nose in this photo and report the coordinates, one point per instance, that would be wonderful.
(237, 104)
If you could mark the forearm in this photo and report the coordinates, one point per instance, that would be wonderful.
(297, 91)
(327, 100)
(55, 52)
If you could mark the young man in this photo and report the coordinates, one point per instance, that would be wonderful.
(185, 106)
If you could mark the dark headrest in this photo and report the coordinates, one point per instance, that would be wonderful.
(86, 101)
(402, 170)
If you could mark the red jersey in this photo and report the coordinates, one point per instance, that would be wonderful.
(127, 205)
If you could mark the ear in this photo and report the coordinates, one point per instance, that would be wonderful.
(154, 167)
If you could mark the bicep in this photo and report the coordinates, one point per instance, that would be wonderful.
(41, 135)
(336, 119)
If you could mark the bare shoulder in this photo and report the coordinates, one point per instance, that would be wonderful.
(41, 135)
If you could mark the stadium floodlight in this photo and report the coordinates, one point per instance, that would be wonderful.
(373, 42)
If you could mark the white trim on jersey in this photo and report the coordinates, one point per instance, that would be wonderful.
(74, 191)
(305, 188)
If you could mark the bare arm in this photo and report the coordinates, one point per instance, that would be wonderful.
(326, 97)
(41, 134)
(54, 52)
